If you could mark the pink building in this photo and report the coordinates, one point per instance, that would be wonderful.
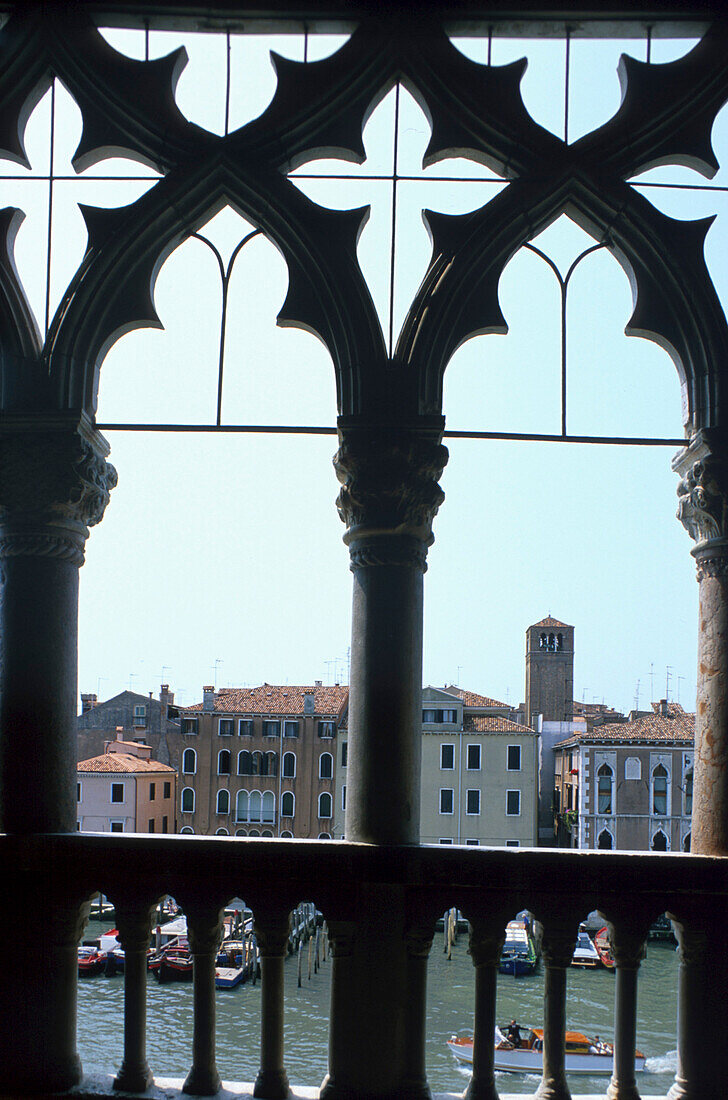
(125, 791)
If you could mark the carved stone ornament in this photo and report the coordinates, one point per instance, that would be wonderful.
(703, 501)
(389, 494)
(54, 485)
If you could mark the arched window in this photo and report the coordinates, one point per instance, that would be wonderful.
(659, 792)
(241, 806)
(686, 842)
(324, 804)
(254, 832)
(324, 836)
(287, 834)
(289, 765)
(188, 801)
(268, 814)
(241, 832)
(266, 832)
(288, 803)
(256, 763)
(223, 762)
(189, 762)
(245, 766)
(221, 832)
(688, 793)
(659, 842)
(605, 777)
(605, 840)
(187, 829)
(326, 765)
(254, 806)
(272, 763)
(559, 641)
(223, 802)
(542, 643)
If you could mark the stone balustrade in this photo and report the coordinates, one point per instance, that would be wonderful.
(488, 885)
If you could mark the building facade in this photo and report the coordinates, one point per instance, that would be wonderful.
(154, 722)
(261, 762)
(628, 785)
(125, 791)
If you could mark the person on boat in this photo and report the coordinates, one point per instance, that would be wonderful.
(513, 1034)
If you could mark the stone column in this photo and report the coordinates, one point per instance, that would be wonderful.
(703, 510)
(628, 946)
(54, 484)
(204, 928)
(135, 927)
(388, 499)
(702, 1066)
(343, 1015)
(486, 944)
(272, 929)
(559, 940)
(418, 939)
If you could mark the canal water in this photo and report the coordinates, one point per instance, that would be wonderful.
(449, 1010)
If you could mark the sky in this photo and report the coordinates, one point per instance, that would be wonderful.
(220, 559)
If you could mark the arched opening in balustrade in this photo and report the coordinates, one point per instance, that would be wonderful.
(605, 840)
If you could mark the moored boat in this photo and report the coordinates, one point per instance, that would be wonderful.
(583, 1055)
(604, 948)
(174, 964)
(519, 950)
(585, 953)
(90, 960)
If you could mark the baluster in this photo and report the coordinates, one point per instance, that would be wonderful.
(700, 1069)
(485, 946)
(204, 928)
(342, 1018)
(134, 922)
(272, 929)
(559, 940)
(628, 937)
(418, 938)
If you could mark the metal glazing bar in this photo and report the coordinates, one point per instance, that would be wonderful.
(392, 254)
(50, 208)
(567, 74)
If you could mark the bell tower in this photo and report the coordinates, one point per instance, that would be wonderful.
(549, 671)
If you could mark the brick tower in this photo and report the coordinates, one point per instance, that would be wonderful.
(549, 671)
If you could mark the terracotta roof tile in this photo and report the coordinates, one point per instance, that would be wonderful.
(276, 699)
(549, 621)
(492, 723)
(472, 699)
(117, 762)
(677, 726)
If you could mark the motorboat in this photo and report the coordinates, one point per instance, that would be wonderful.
(174, 964)
(585, 953)
(519, 950)
(90, 960)
(584, 1055)
(604, 948)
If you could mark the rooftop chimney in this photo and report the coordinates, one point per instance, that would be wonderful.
(208, 698)
(318, 683)
(663, 708)
(88, 702)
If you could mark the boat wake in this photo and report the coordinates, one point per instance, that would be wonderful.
(663, 1063)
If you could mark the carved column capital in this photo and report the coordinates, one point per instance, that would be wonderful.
(272, 928)
(204, 928)
(134, 923)
(559, 941)
(389, 491)
(341, 938)
(54, 484)
(418, 938)
(703, 500)
(486, 940)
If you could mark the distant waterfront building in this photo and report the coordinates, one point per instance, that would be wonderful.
(628, 785)
(261, 761)
(138, 717)
(125, 791)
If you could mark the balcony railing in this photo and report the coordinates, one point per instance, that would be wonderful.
(487, 885)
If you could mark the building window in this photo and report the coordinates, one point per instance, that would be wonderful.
(447, 758)
(343, 797)
(327, 729)
(290, 729)
(688, 793)
(659, 841)
(445, 840)
(513, 844)
(187, 829)
(604, 790)
(513, 803)
(473, 758)
(473, 843)
(326, 765)
(344, 753)
(271, 728)
(151, 825)
(117, 792)
(116, 826)
(513, 762)
(223, 802)
(288, 804)
(659, 792)
(441, 716)
(165, 824)
(223, 762)
(268, 809)
(447, 800)
(188, 801)
(140, 716)
(245, 763)
(324, 804)
(245, 727)
(221, 832)
(289, 765)
(272, 762)
(168, 790)
(472, 802)
(242, 803)
(189, 725)
(324, 836)
(225, 727)
(287, 834)
(605, 841)
(152, 791)
(79, 794)
(189, 762)
(429, 715)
